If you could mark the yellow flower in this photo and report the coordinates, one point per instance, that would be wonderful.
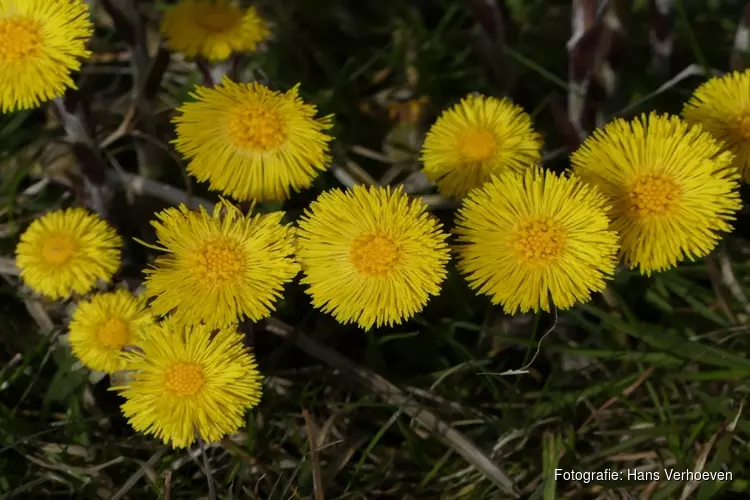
(66, 251)
(219, 266)
(476, 138)
(41, 43)
(722, 107)
(534, 239)
(212, 29)
(670, 188)
(371, 255)
(102, 326)
(186, 380)
(252, 143)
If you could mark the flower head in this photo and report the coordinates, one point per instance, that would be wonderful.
(476, 138)
(102, 326)
(534, 239)
(213, 29)
(66, 251)
(371, 255)
(41, 43)
(252, 143)
(219, 266)
(722, 107)
(670, 188)
(185, 380)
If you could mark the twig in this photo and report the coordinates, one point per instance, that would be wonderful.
(490, 39)
(393, 395)
(168, 485)
(206, 467)
(40, 315)
(721, 294)
(172, 195)
(691, 70)
(626, 392)
(8, 267)
(741, 47)
(314, 458)
(73, 118)
(132, 480)
(122, 129)
(700, 463)
(730, 281)
(662, 34)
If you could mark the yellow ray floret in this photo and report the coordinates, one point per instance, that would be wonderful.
(251, 142)
(102, 326)
(66, 252)
(213, 30)
(185, 380)
(722, 107)
(476, 138)
(671, 189)
(219, 267)
(371, 255)
(533, 240)
(41, 43)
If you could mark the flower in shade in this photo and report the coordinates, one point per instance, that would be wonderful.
(66, 252)
(221, 266)
(213, 30)
(102, 326)
(535, 239)
(41, 43)
(722, 107)
(250, 142)
(671, 189)
(371, 255)
(184, 381)
(478, 137)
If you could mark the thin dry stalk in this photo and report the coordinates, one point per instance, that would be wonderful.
(393, 395)
(312, 441)
(662, 34)
(741, 48)
(597, 30)
(133, 480)
(8, 267)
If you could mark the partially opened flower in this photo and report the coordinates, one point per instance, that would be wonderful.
(252, 143)
(535, 239)
(185, 380)
(213, 29)
(476, 138)
(41, 43)
(671, 190)
(371, 255)
(219, 267)
(102, 326)
(66, 252)
(722, 107)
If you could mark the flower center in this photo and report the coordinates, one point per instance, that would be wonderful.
(58, 249)
(20, 38)
(539, 241)
(477, 144)
(256, 128)
(218, 20)
(374, 254)
(219, 261)
(113, 333)
(741, 126)
(184, 379)
(653, 194)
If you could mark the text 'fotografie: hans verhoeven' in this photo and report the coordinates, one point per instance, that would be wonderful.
(639, 475)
